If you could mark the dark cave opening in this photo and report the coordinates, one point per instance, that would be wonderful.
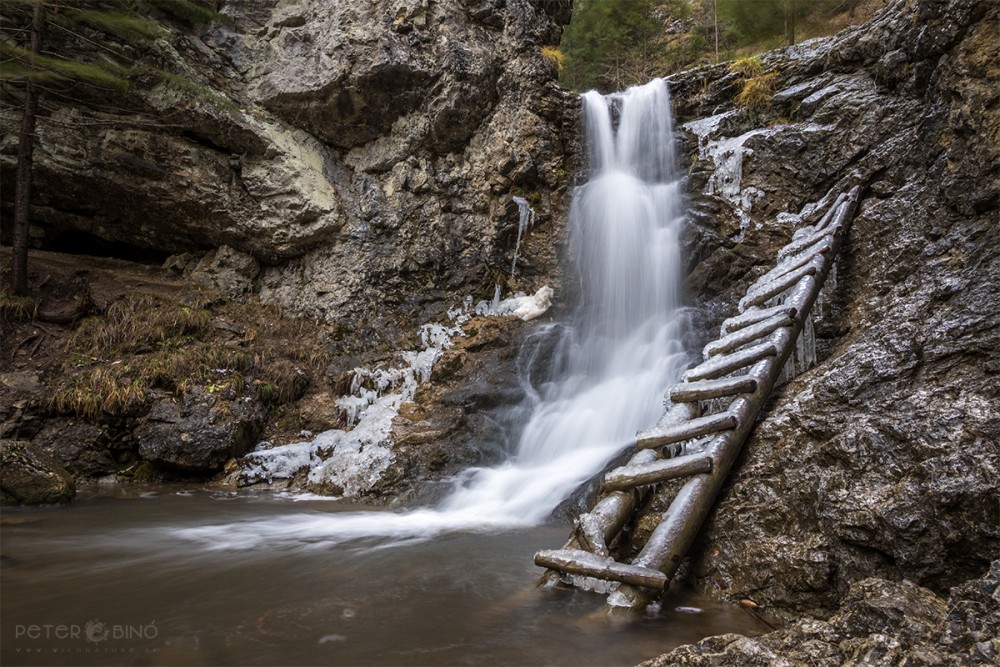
(81, 243)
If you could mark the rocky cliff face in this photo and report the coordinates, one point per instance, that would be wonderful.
(365, 154)
(883, 460)
(368, 180)
(355, 163)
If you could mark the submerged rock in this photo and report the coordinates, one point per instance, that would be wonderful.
(29, 476)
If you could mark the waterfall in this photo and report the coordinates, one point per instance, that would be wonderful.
(608, 368)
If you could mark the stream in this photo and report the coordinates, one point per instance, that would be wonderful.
(110, 570)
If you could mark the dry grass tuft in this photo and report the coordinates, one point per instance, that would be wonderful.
(144, 342)
(757, 92)
(17, 308)
(747, 67)
(137, 323)
(554, 57)
(112, 391)
(281, 382)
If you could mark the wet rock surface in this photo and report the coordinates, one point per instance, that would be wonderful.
(460, 416)
(29, 476)
(198, 432)
(880, 622)
(884, 459)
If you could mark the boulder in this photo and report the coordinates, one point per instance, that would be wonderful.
(227, 270)
(881, 622)
(29, 476)
(200, 432)
(84, 449)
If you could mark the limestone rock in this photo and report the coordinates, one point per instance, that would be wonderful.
(880, 623)
(228, 270)
(882, 460)
(459, 418)
(365, 154)
(29, 476)
(84, 449)
(200, 432)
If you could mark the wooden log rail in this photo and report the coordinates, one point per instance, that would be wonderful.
(757, 343)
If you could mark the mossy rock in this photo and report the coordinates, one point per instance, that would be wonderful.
(29, 476)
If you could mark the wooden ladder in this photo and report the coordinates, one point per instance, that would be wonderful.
(739, 370)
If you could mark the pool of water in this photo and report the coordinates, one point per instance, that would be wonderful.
(111, 580)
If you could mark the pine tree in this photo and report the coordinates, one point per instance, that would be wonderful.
(28, 70)
(608, 44)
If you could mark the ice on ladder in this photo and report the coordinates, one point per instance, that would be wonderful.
(708, 416)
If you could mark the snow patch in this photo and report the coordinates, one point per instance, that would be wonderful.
(520, 305)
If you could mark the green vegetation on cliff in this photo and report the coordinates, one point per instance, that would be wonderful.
(46, 50)
(612, 44)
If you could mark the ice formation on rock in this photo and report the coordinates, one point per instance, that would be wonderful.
(727, 155)
(520, 305)
(350, 462)
(526, 218)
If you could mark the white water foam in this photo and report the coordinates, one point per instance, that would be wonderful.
(611, 365)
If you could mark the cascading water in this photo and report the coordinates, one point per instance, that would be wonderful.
(611, 365)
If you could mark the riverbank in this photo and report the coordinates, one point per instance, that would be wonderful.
(138, 372)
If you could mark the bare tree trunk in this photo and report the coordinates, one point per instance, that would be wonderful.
(25, 152)
(790, 21)
(715, 18)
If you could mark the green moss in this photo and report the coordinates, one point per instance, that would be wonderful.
(145, 471)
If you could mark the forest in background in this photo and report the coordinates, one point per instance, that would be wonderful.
(613, 44)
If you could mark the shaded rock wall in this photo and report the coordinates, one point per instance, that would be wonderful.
(364, 153)
(884, 459)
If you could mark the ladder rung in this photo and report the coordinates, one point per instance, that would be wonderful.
(798, 245)
(754, 316)
(823, 221)
(777, 286)
(658, 437)
(793, 262)
(687, 392)
(575, 561)
(717, 366)
(627, 477)
(748, 334)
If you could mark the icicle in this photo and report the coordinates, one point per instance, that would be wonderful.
(808, 343)
(787, 371)
(525, 221)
